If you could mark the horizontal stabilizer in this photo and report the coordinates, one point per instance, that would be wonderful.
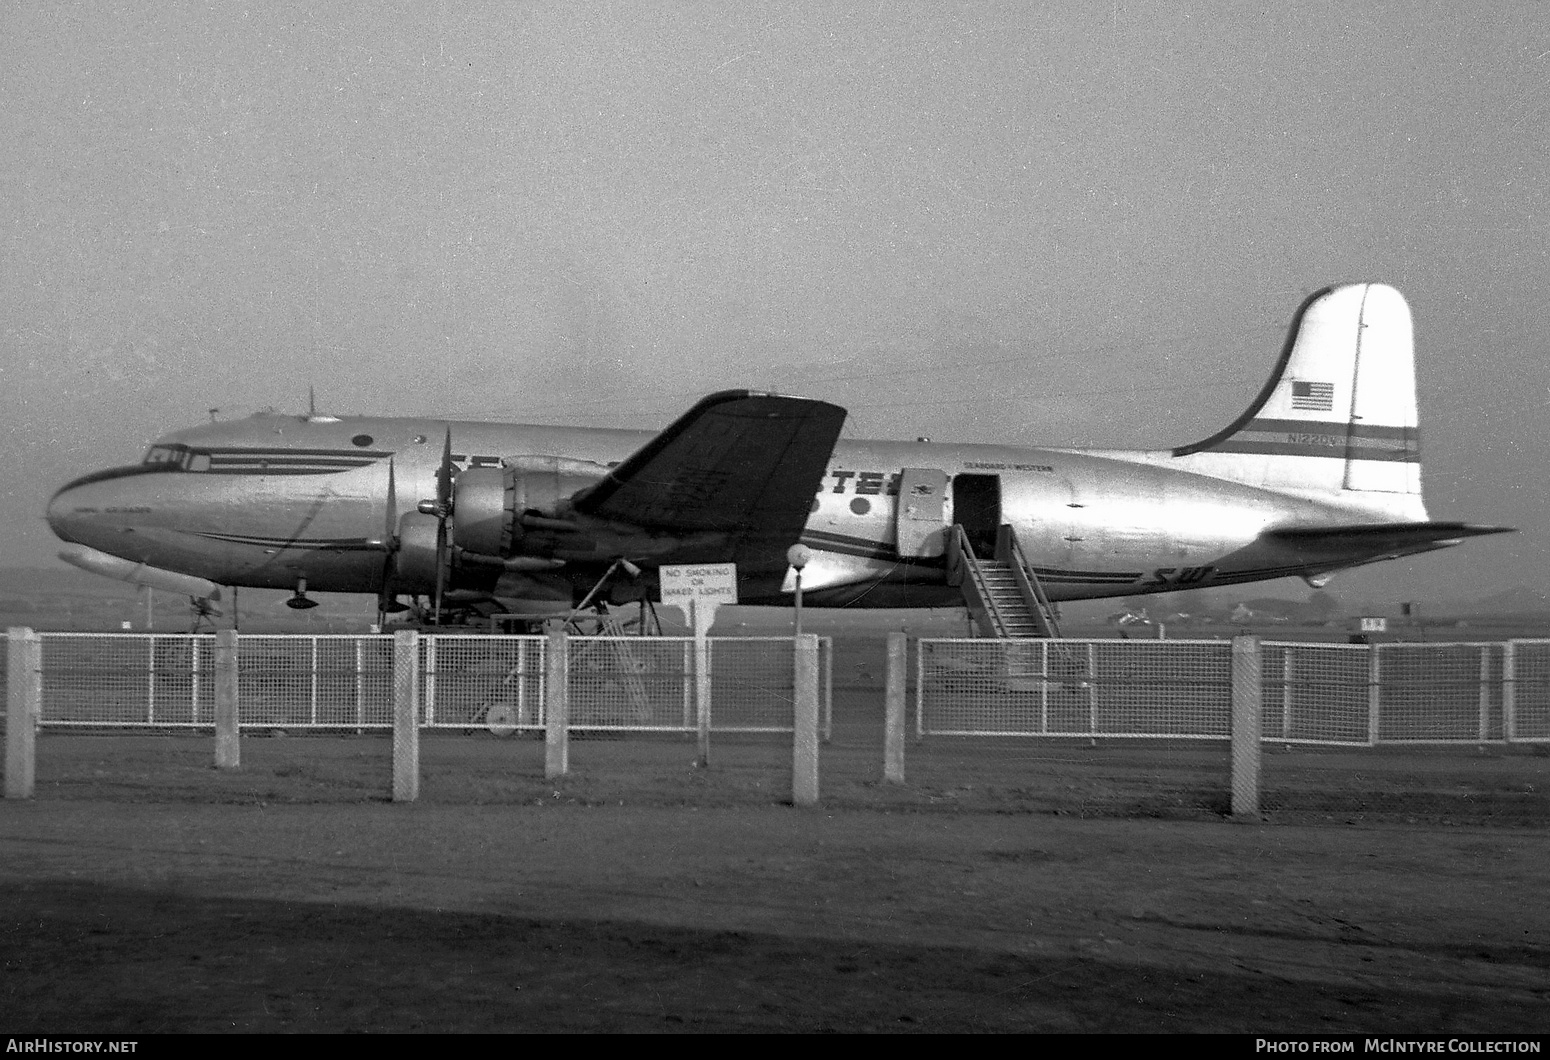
(1400, 536)
(90, 559)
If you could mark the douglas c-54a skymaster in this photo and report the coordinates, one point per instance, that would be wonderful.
(1322, 472)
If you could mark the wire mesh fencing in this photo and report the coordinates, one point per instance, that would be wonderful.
(494, 683)
(145, 680)
(1338, 694)
(1526, 691)
(469, 680)
(1088, 688)
(325, 681)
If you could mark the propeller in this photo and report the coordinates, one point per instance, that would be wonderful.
(442, 509)
(385, 596)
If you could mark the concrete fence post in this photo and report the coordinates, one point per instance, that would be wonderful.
(406, 715)
(228, 740)
(1246, 724)
(804, 744)
(1374, 692)
(556, 705)
(24, 710)
(895, 681)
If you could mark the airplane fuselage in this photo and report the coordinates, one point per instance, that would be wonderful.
(272, 500)
(1321, 472)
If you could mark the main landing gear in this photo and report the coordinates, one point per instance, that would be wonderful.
(299, 600)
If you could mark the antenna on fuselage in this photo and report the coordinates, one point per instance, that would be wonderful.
(312, 402)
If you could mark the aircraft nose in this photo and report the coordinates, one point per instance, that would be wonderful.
(61, 513)
(83, 510)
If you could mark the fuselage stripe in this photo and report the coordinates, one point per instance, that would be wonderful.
(1331, 451)
(338, 544)
(1343, 429)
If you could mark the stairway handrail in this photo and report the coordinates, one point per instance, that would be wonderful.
(1027, 581)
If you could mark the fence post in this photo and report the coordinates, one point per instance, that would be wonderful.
(894, 683)
(24, 710)
(194, 644)
(920, 690)
(1092, 689)
(406, 719)
(1286, 692)
(1374, 693)
(1246, 722)
(1485, 694)
(1510, 692)
(826, 654)
(804, 743)
(228, 745)
(556, 705)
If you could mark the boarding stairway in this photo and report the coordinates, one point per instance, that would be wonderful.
(1003, 594)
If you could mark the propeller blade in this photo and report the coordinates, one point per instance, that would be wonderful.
(391, 528)
(443, 510)
(390, 547)
(444, 477)
(441, 568)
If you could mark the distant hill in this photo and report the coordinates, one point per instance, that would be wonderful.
(1517, 601)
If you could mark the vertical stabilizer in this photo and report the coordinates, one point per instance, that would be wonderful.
(1340, 411)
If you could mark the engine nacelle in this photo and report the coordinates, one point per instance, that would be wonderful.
(488, 503)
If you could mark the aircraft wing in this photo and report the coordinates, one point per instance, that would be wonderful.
(739, 462)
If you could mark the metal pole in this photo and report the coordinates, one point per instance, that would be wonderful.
(701, 685)
(798, 631)
(1374, 692)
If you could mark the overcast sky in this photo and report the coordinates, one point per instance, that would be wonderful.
(1064, 223)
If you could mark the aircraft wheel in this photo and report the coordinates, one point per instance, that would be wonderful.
(501, 720)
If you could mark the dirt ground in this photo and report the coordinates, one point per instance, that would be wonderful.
(1053, 887)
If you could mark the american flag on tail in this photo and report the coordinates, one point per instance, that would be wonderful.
(1315, 397)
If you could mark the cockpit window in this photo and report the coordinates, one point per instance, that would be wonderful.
(180, 457)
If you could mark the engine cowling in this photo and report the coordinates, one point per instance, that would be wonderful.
(489, 503)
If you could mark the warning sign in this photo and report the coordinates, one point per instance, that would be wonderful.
(699, 588)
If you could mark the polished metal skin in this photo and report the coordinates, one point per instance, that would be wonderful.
(1321, 473)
